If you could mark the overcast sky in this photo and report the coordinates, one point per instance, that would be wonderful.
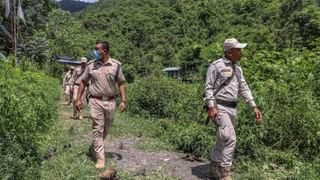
(91, 1)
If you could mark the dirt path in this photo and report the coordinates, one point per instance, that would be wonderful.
(126, 156)
(123, 153)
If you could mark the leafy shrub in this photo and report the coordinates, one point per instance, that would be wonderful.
(36, 50)
(309, 170)
(283, 84)
(26, 64)
(285, 88)
(191, 137)
(28, 107)
(165, 97)
(55, 70)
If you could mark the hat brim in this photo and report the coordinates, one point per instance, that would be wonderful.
(240, 45)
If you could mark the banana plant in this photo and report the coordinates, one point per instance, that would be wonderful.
(5, 34)
(3, 57)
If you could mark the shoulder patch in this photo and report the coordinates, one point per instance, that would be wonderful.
(216, 61)
(116, 61)
(238, 67)
(91, 61)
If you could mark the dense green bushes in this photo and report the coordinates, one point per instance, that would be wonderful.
(149, 35)
(28, 107)
(191, 137)
(286, 89)
(183, 33)
(285, 86)
(166, 98)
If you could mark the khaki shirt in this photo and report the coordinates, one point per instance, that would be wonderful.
(77, 73)
(102, 78)
(218, 72)
(68, 80)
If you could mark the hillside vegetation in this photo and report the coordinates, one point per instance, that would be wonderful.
(281, 65)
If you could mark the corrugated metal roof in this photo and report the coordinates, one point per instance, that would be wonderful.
(172, 69)
(64, 61)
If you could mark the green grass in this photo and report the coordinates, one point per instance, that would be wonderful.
(147, 129)
(152, 145)
(69, 163)
(73, 163)
(135, 125)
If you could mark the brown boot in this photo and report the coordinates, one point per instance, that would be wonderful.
(227, 178)
(214, 171)
(226, 174)
(100, 163)
(109, 174)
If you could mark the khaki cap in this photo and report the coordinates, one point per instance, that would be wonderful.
(83, 60)
(233, 43)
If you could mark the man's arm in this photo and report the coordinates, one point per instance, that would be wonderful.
(120, 81)
(209, 86)
(65, 79)
(209, 92)
(245, 90)
(248, 98)
(122, 90)
(82, 81)
(81, 89)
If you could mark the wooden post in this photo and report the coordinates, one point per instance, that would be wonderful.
(13, 30)
(14, 33)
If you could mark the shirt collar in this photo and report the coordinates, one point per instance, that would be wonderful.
(226, 60)
(106, 63)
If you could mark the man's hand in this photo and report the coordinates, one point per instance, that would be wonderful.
(212, 113)
(258, 114)
(122, 106)
(78, 104)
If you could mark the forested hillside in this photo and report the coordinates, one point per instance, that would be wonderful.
(148, 35)
(281, 65)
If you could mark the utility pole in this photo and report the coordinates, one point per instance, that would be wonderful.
(13, 30)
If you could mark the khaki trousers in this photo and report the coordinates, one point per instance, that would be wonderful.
(225, 145)
(67, 93)
(102, 114)
(76, 112)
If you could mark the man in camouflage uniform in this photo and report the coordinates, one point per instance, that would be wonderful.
(224, 81)
(102, 75)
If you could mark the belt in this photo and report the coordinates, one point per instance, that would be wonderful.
(103, 98)
(231, 104)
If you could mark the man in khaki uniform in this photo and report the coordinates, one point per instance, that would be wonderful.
(77, 114)
(67, 85)
(224, 81)
(102, 74)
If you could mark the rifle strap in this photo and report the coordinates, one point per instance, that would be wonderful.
(226, 82)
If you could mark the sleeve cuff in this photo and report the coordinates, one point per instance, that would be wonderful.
(211, 103)
(252, 104)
